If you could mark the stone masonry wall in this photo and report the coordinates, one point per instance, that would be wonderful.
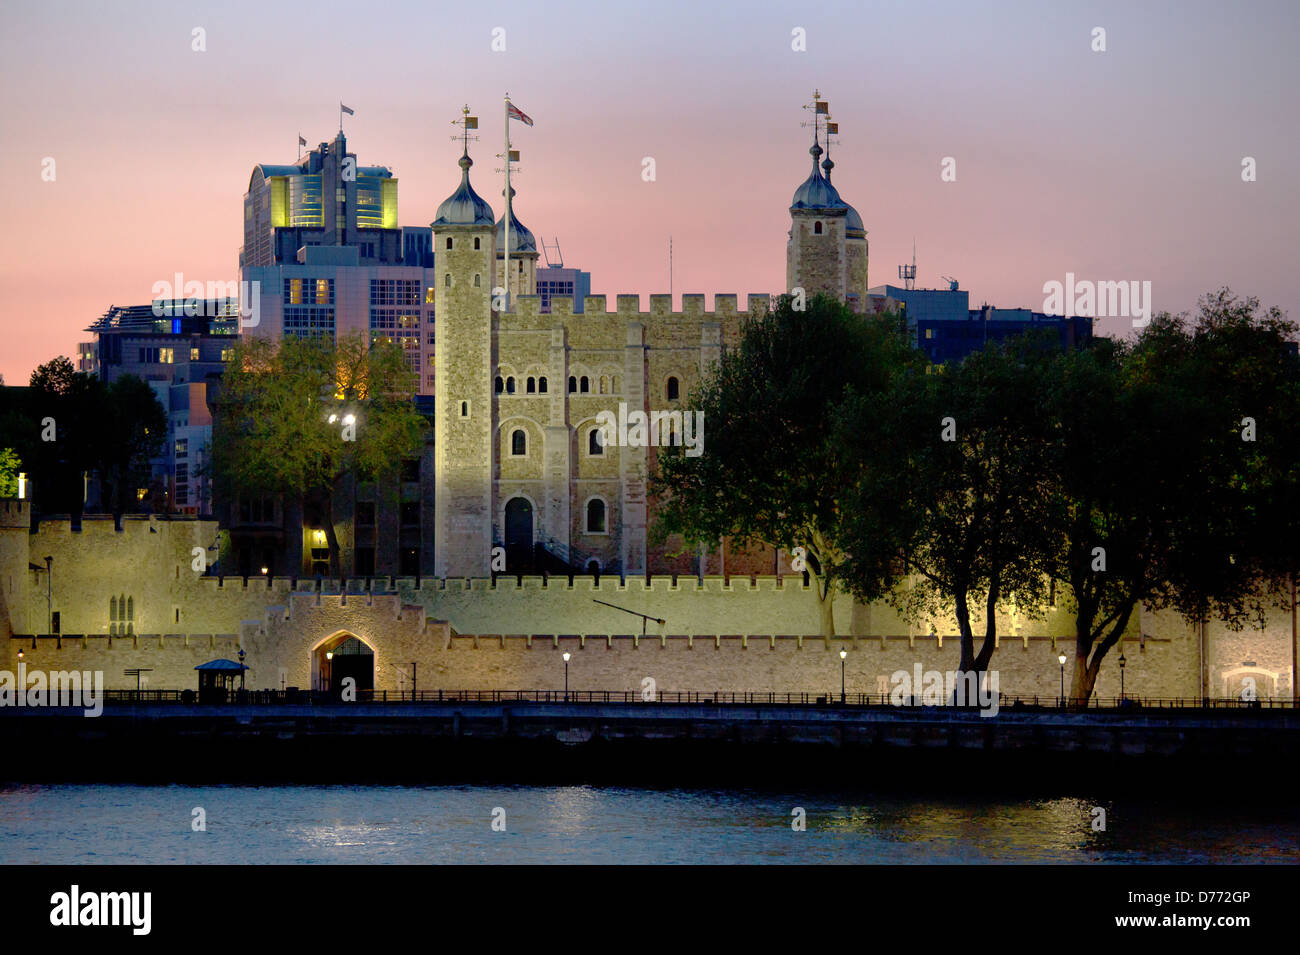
(699, 647)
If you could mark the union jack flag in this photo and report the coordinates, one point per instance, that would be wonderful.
(514, 112)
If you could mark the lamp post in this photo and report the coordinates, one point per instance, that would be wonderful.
(566, 676)
(329, 668)
(843, 655)
(49, 594)
(1122, 661)
(242, 684)
(1061, 660)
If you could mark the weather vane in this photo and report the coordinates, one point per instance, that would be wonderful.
(819, 108)
(466, 122)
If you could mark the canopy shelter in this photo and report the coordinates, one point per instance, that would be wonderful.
(217, 679)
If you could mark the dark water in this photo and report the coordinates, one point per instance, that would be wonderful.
(99, 824)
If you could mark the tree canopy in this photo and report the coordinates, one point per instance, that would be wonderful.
(296, 416)
(1158, 473)
(68, 423)
(772, 471)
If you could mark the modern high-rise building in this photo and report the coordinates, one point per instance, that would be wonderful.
(179, 347)
(942, 324)
(558, 282)
(324, 198)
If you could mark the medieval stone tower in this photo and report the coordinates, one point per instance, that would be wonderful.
(827, 250)
(522, 279)
(464, 241)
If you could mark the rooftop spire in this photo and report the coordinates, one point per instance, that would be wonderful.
(831, 129)
(820, 108)
(464, 206)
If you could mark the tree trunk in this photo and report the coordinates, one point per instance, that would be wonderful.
(1087, 660)
(990, 629)
(962, 610)
(826, 605)
(1080, 683)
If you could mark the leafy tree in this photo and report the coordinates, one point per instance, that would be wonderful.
(135, 432)
(1173, 479)
(55, 377)
(946, 513)
(10, 465)
(72, 408)
(282, 420)
(771, 471)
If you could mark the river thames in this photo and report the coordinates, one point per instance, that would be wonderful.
(127, 824)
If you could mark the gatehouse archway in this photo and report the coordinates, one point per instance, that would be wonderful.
(341, 657)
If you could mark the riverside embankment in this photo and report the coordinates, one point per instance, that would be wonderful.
(529, 742)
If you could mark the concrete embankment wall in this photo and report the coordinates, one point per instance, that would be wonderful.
(528, 742)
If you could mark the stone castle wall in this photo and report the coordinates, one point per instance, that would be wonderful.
(741, 634)
(624, 356)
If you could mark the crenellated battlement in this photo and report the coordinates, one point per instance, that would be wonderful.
(376, 586)
(15, 513)
(526, 309)
(102, 525)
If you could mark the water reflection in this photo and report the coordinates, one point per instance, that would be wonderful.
(342, 824)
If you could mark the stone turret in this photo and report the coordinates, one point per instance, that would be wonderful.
(464, 235)
(15, 579)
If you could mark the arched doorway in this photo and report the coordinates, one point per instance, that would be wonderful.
(519, 535)
(340, 658)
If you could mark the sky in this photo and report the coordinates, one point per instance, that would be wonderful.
(1117, 165)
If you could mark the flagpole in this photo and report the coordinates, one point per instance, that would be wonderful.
(506, 221)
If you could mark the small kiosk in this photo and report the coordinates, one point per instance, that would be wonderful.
(217, 679)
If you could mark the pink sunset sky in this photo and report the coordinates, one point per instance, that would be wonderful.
(1116, 165)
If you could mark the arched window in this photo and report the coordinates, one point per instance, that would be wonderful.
(604, 385)
(519, 443)
(446, 279)
(464, 409)
(510, 385)
(541, 385)
(613, 384)
(817, 228)
(674, 389)
(476, 243)
(584, 385)
(595, 516)
(500, 385)
(573, 384)
(595, 441)
(532, 385)
(477, 284)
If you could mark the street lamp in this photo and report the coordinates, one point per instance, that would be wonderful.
(566, 676)
(1122, 661)
(843, 654)
(1061, 659)
(49, 594)
(242, 684)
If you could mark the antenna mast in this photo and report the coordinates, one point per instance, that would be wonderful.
(908, 272)
(559, 256)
